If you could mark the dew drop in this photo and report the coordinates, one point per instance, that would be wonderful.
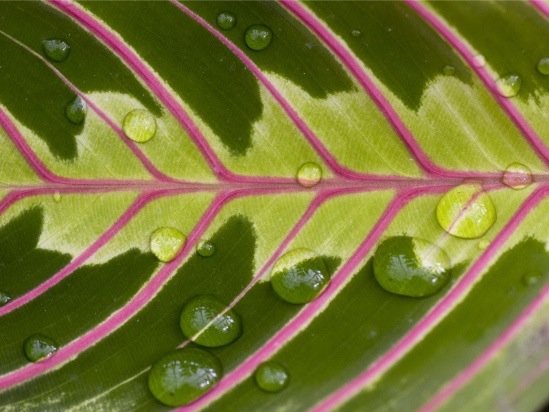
(76, 110)
(166, 242)
(466, 211)
(226, 20)
(356, 33)
(4, 298)
(517, 176)
(448, 70)
(271, 377)
(479, 60)
(39, 347)
(56, 50)
(258, 37)
(309, 174)
(139, 125)
(411, 267)
(543, 66)
(197, 315)
(57, 196)
(509, 85)
(531, 279)
(205, 248)
(483, 244)
(182, 376)
(299, 276)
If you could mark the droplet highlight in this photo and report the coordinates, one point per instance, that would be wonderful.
(4, 298)
(448, 70)
(299, 276)
(183, 376)
(139, 125)
(166, 243)
(56, 50)
(309, 174)
(517, 176)
(226, 20)
(205, 248)
(202, 314)
(76, 110)
(271, 377)
(411, 267)
(543, 66)
(39, 347)
(509, 86)
(466, 211)
(258, 37)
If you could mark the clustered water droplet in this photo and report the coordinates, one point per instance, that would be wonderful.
(205, 248)
(226, 20)
(39, 347)
(517, 176)
(166, 243)
(76, 110)
(258, 37)
(271, 377)
(56, 50)
(309, 174)
(139, 125)
(509, 85)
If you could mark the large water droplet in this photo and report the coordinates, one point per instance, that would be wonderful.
(411, 267)
(183, 376)
(509, 85)
(139, 125)
(543, 66)
(258, 37)
(39, 347)
(205, 248)
(226, 20)
(4, 298)
(166, 242)
(271, 376)
(517, 176)
(466, 211)
(299, 276)
(56, 50)
(76, 110)
(448, 70)
(199, 312)
(309, 174)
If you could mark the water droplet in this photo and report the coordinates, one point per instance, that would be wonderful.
(483, 244)
(56, 50)
(226, 20)
(479, 60)
(309, 174)
(448, 70)
(4, 298)
(205, 248)
(57, 196)
(166, 242)
(517, 176)
(271, 376)
(356, 33)
(76, 110)
(509, 85)
(531, 279)
(411, 267)
(183, 376)
(543, 66)
(466, 211)
(299, 276)
(197, 315)
(139, 125)
(258, 37)
(39, 347)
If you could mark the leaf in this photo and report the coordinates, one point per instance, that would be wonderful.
(396, 102)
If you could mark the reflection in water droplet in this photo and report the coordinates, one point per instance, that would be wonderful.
(309, 174)
(56, 196)
(356, 33)
(299, 276)
(226, 20)
(4, 298)
(205, 248)
(517, 176)
(543, 66)
(166, 242)
(411, 267)
(509, 86)
(183, 376)
(202, 310)
(479, 60)
(448, 70)
(271, 377)
(139, 125)
(466, 211)
(258, 37)
(531, 279)
(56, 50)
(76, 110)
(39, 347)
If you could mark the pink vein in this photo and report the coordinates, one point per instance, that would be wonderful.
(438, 24)
(353, 65)
(542, 7)
(313, 140)
(306, 315)
(434, 316)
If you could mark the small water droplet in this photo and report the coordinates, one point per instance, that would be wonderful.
(517, 176)
(226, 20)
(76, 110)
(483, 244)
(199, 312)
(139, 125)
(258, 37)
(56, 50)
(543, 66)
(182, 376)
(466, 211)
(372, 334)
(509, 85)
(309, 174)
(448, 70)
(531, 279)
(166, 242)
(411, 267)
(299, 276)
(39, 347)
(271, 377)
(479, 60)
(57, 196)
(356, 33)
(4, 298)
(205, 248)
